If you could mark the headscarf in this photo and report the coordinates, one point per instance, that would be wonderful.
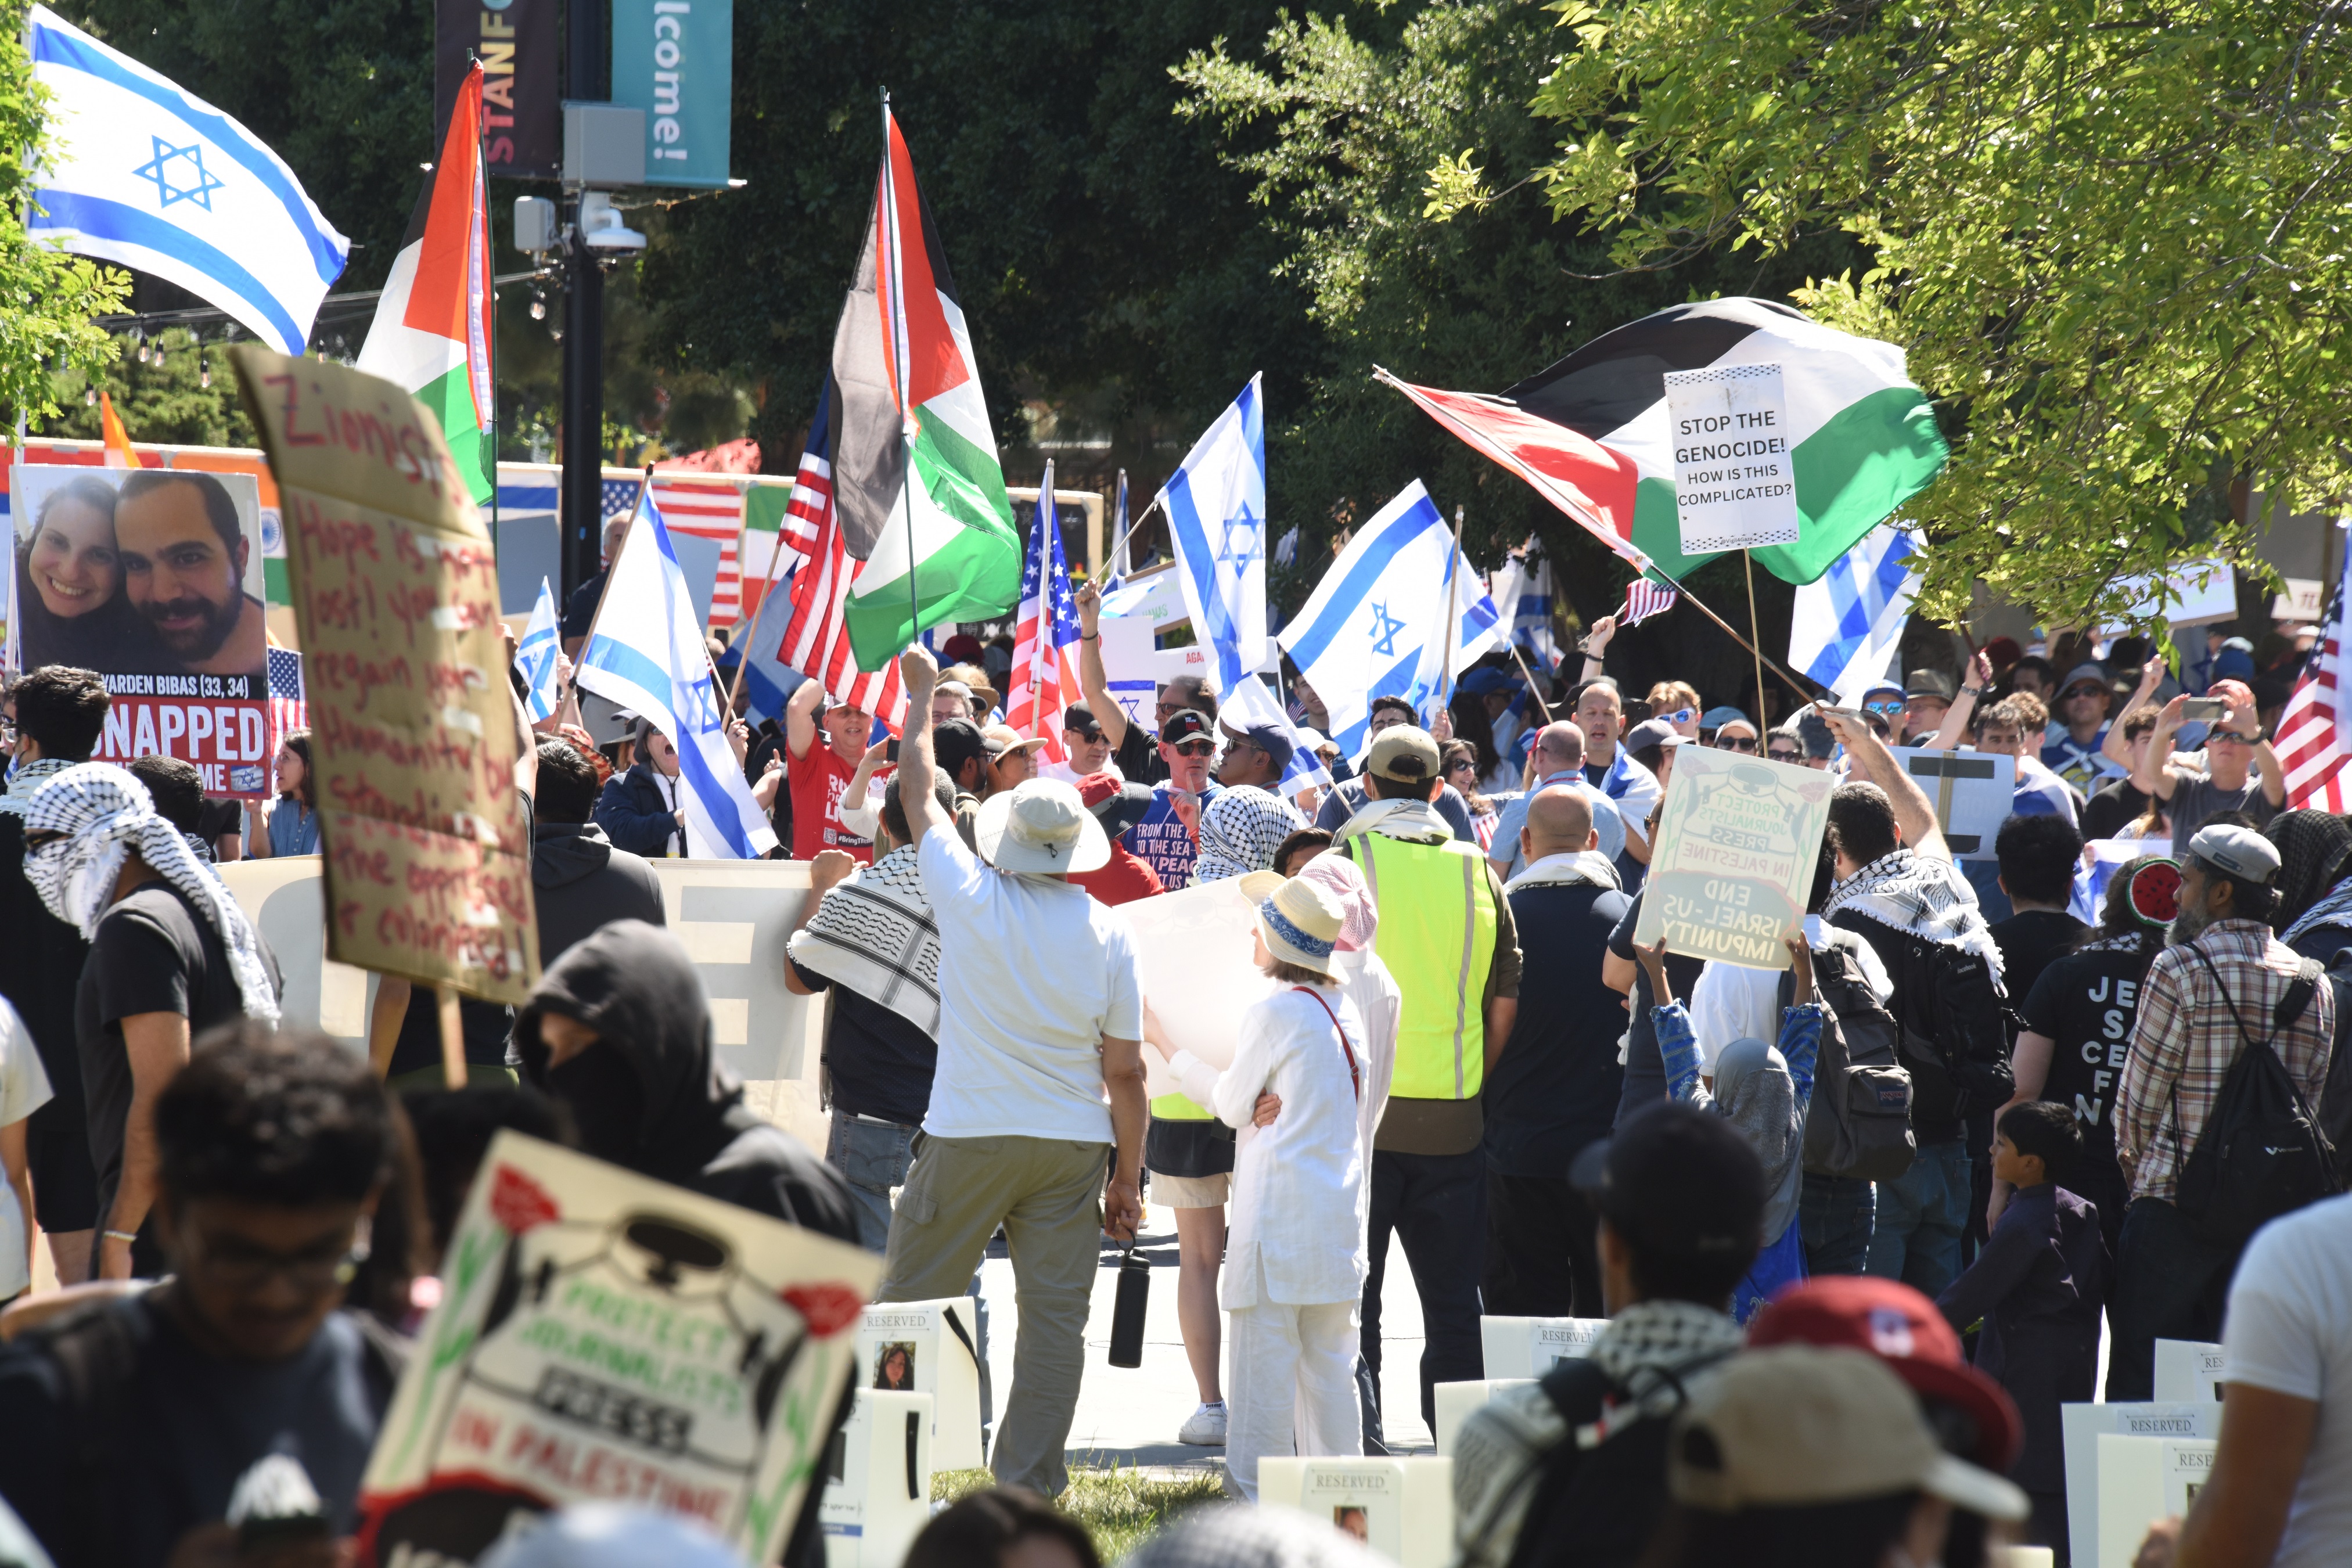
(1754, 1091)
(1338, 876)
(30, 777)
(1240, 831)
(105, 814)
(2313, 847)
(874, 934)
(1926, 897)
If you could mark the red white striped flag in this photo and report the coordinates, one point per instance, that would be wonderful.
(708, 507)
(816, 638)
(1044, 633)
(1643, 599)
(2310, 742)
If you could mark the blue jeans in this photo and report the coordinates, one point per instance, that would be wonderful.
(1917, 1237)
(873, 1157)
(1836, 1215)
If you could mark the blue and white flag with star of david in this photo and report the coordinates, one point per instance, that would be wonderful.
(1216, 515)
(1844, 629)
(137, 171)
(1372, 626)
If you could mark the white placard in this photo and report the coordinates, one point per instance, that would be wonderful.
(1970, 792)
(1401, 1509)
(2187, 1369)
(1735, 486)
(2083, 1425)
(2141, 1481)
(2303, 600)
(877, 1482)
(1531, 1347)
(928, 1347)
(1456, 1402)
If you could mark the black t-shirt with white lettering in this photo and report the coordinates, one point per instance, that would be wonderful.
(2086, 1002)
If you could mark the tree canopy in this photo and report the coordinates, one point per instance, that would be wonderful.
(2110, 237)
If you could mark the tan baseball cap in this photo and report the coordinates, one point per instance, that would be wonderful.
(1799, 1424)
(1040, 825)
(1405, 754)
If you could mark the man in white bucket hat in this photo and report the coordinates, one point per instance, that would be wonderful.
(1018, 1134)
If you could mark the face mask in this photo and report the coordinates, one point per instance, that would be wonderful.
(607, 1099)
(74, 877)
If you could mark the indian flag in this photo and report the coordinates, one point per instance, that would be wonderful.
(1591, 432)
(917, 486)
(432, 328)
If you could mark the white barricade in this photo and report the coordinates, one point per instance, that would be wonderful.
(1456, 1401)
(1530, 1347)
(929, 1347)
(2187, 1369)
(1400, 1508)
(2082, 1425)
(877, 1485)
(2142, 1481)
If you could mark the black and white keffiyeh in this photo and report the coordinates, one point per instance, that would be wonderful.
(105, 814)
(30, 777)
(1240, 831)
(1926, 897)
(874, 934)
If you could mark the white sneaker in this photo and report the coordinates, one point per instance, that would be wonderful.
(1206, 1428)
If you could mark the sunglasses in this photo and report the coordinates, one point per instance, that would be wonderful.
(1735, 743)
(1888, 708)
(1679, 716)
(1199, 746)
(1462, 766)
(1779, 754)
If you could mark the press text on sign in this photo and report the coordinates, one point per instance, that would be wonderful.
(1735, 486)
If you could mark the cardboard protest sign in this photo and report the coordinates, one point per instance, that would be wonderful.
(1735, 480)
(930, 1348)
(154, 578)
(603, 1336)
(1970, 791)
(1733, 866)
(1198, 974)
(414, 736)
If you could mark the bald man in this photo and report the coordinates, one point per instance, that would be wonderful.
(1556, 760)
(1555, 1088)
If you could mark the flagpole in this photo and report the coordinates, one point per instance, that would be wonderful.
(1453, 591)
(1129, 531)
(1747, 560)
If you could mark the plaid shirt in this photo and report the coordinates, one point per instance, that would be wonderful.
(2185, 1041)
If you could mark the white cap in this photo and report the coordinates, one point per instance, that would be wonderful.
(2239, 852)
(1040, 825)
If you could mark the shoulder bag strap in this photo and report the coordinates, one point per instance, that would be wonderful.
(1355, 1073)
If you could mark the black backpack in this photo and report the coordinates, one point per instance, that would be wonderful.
(1859, 1125)
(1598, 1493)
(2336, 1095)
(1956, 1027)
(2261, 1154)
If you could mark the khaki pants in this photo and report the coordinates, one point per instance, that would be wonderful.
(1047, 1193)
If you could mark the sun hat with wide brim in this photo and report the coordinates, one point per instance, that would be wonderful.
(1040, 825)
(1300, 925)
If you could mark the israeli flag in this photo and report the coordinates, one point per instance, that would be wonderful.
(1522, 590)
(1848, 625)
(647, 653)
(1374, 625)
(535, 656)
(1250, 703)
(1216, 514)
(137, 171)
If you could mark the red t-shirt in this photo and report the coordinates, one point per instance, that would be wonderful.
(1127, 877)
(817, 781)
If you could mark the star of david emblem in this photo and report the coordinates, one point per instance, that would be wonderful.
(1248, 528)
(1385, 627)
(181, 163)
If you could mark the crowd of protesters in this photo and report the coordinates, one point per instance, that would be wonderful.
(1858, 1226)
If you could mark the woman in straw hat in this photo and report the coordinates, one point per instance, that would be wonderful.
(1295, 1257)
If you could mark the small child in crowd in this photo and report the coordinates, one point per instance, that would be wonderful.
(2036, 1290)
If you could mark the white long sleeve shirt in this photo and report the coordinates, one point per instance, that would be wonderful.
(1301, 1187)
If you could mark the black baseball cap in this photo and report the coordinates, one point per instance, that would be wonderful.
(1077, 716)
(956, 742)
(1185, 725)
(1675, 1181)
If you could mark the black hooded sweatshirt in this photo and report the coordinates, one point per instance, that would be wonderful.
(652, 1095)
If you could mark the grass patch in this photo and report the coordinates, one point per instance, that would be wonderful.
(1118, 1507)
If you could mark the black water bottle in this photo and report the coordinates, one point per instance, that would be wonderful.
(1127, 1313)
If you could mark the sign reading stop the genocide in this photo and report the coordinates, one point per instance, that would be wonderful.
(1735, 486)
(1737, 849)
(413, 727)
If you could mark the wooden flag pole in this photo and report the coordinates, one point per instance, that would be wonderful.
(1747, 560)
(1445, 631)
(453, 1036)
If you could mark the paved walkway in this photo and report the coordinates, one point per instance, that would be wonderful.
(1129, 1416)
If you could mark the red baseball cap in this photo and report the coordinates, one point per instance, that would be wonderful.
(1902, 1328)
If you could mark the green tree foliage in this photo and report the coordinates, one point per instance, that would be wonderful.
(2109, 234)
(47, 298)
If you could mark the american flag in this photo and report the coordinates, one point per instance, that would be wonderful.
(1643, 599)
(289, 710)
(708, 507)
(812, 504)
(1045, 631)
(816, 638)
(2311, 732)
(620, 500)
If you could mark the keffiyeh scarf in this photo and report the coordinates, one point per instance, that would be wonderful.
(1927, 898)
(105, 815)
(30, 777)
(874, 934)
(2334, 908)
(1239, 832)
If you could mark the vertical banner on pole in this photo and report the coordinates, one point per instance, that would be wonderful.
(521, 114)
(677, 61)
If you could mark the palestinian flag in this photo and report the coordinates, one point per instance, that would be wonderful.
(917, 487)
(432, 328)
(1591, 432)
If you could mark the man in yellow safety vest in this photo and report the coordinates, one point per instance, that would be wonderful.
(1447, 935)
